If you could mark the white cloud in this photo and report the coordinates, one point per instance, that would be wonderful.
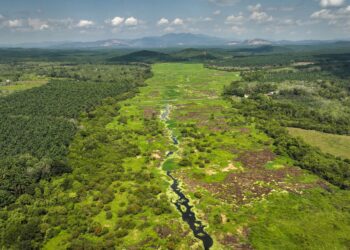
(238, 30)
(326, 14)
(217, 12)
(131, 21)
(37, 24)
(16, 23)
(44, 27)
(163, 21)
(191, 20)
(85, 24)
(116, 21)
(61, 23)
(332, 3)
(178, 21)
(258, 15)
(235, 19)
(339, 17)
(323, 14)
(293, 22)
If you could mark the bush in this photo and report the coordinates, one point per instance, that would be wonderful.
(185, 162)
(198, 195)
(109, 215)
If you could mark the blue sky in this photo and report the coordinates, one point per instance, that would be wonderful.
(88, 20)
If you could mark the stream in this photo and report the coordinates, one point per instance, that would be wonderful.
(183, 203)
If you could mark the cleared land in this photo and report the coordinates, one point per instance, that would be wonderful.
(338, 145)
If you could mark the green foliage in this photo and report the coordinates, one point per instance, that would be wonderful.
(329, 167)
(309, 103)
(38, 125)
(268, 112)
(113, 194)
(241, 89)
(323, 215)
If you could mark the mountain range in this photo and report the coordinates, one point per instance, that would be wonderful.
(164, 41)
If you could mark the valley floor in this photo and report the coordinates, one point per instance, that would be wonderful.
(244, 194)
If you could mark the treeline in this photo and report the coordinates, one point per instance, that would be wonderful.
(296, 115)
(319, 82)
(18, 55)
(257, 61)
(29, 71)
(244, 89)
(38, 125)
(330, 168)
(286, 75)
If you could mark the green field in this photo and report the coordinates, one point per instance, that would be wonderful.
(338, 145)
(21, 86)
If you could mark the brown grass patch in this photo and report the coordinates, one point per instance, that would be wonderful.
(149, 112)
(255, 182)
(233, 242)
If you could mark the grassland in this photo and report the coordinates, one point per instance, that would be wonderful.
(338, 145)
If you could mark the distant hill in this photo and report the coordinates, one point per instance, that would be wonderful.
(148, 56)
(166, 41)
(262, 49)
(143, 56)
(194, 54)
(179, 40)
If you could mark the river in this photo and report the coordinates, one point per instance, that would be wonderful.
(183, 203)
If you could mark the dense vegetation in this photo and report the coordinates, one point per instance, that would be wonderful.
(298, 96)
(306, 98)
(114, 190)
(38, 125)
(336, 171)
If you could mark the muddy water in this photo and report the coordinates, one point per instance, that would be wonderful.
(183, 203)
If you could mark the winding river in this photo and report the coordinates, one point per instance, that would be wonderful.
(183, 203)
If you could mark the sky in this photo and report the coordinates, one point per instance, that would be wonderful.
(31, 21)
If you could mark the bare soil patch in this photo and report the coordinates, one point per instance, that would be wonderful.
(229, 167)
